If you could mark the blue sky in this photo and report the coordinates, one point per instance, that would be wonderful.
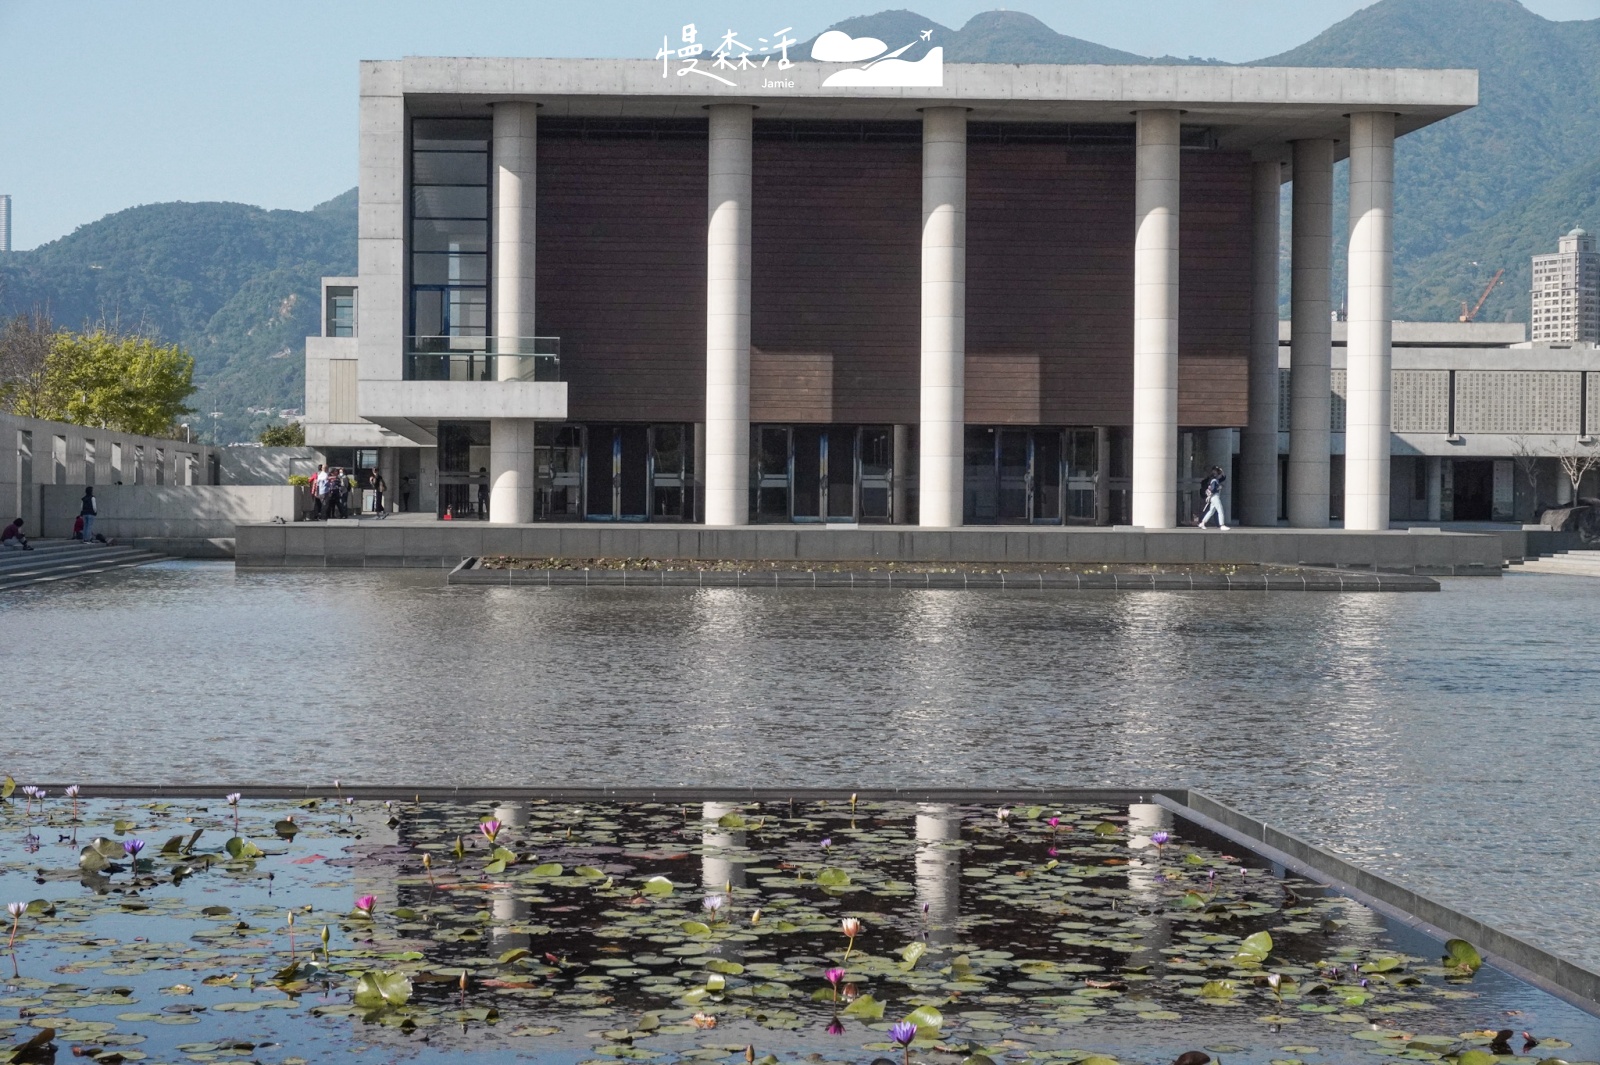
(105, 104)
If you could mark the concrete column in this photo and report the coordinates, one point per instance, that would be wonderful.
(511, 472)
(1258, 443)
(511, 454)
(1155, 321)
(515, 148)
(1311, 343)
(1219, 452)
(1367, 410)
(944, 316)
(900, 471)
(727, 476)
(1435, 472)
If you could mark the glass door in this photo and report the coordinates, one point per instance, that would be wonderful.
(1046, 467)
(809, 478)
(771, 473)
(669, 472)
(876, 449)
(839, 460)
(1012, 462)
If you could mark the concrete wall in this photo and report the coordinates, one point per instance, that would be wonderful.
(35, 453)
(162, 512)
(265, 465)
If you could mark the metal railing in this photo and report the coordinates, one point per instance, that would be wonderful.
(483, 358)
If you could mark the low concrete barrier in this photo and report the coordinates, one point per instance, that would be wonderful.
(442, 545)
(167, 512)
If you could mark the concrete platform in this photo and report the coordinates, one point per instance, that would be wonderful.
(442, 545)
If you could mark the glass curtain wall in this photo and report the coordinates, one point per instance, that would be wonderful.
(1034, 475)
(821, 473)
(449, 240)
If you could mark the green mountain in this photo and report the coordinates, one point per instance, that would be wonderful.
(238, 286)
(1482, 191)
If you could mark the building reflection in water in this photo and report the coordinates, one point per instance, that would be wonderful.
(1144, 881)
(505, 908)
(939, 870)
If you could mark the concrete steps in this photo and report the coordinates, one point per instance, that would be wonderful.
(1569, 563)
(54, 560)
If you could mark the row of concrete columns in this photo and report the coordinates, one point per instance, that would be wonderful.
(943, 346)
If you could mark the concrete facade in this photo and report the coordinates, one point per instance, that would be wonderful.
(169, 512)
(39, 453)
(1236, 128)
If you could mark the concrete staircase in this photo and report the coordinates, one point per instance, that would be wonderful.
(54, 560)
(1569, 563)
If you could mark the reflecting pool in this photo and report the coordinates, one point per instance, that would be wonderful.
(1446, 740)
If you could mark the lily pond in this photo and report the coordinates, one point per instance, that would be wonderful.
(560, 932)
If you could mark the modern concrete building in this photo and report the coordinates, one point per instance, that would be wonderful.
(5, 222)
(987, 294)
(1566, 292)
(1479, 418)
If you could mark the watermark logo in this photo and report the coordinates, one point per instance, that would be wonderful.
(871, 62)
(883, 68)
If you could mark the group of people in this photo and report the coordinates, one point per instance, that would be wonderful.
(331, 488)
(12, 538)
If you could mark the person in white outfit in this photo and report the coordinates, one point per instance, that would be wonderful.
(1214, 499)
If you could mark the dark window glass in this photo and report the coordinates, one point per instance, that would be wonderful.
(450, 201)
(453, 235)
(449, 268)
(449, 168)
(451, 134)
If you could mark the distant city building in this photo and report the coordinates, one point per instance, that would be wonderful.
(1566, 292)
(5, 222)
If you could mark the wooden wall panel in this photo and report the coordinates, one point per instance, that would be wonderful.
(1003, 389)
(795, 386)
(621, 261)
(836, 242)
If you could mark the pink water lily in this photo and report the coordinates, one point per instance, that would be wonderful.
(490, 829)
(365, 903)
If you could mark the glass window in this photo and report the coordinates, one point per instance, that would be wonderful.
(450, 227)
(341, 313)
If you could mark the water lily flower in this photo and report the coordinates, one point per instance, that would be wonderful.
(827, 843)
(1054, 823)
(903, 1032)
(490, 829)
(1160, 839)
(1003, 814)
(233, 798)
(132, 847)
(713, 904)
(16, 910)
(365, 903)
(72, 793)
(851, 927)
(833, 976)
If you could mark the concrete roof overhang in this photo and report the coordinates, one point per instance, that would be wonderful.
(1255, 109)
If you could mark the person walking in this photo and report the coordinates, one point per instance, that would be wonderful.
(375, 482)
(318, 485)
(1214, 499)
(87, 511)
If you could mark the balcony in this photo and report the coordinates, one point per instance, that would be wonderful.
(483, 358)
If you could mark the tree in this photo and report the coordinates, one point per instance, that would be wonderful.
(1527, 458)
(26, 341)
(129, 383)
(1576, 464)
(291, 435)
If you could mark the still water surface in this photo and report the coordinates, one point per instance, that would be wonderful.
(1447, 740)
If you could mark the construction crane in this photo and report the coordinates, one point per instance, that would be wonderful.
(1468, 316)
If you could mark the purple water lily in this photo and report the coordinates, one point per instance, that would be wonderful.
(132, 847)
(834, 975)
(903, 1032)
(1160, 839)
(826, 844)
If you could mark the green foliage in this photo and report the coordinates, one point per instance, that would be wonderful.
(292, 434)
(132, 384)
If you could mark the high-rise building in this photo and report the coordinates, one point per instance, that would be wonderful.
(1566, 292)
(5, 222)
